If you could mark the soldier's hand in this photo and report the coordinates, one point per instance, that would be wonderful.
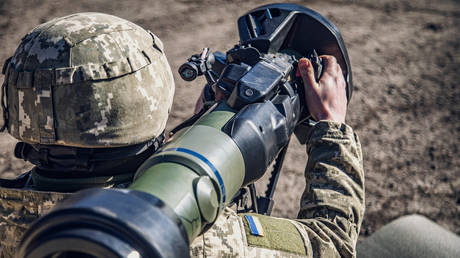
(326, 99)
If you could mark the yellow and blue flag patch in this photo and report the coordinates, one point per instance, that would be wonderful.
(254, 225)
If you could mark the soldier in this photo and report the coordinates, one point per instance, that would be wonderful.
(88, 96)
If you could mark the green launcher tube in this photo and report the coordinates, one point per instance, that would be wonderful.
(197, 173)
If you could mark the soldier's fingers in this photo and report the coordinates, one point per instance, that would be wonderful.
(329, 64)
(306, 72)
(339, 70)
(340, 74)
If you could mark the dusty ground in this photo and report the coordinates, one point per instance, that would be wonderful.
(405, 106)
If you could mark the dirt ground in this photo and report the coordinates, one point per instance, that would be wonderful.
(405, 105)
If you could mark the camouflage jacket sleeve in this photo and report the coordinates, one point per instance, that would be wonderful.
(332, 208)
(332, 205)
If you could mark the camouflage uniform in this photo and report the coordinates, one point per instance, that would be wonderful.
(18, 209)
(332, 208)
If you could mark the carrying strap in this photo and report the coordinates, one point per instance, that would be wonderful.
(75, 184)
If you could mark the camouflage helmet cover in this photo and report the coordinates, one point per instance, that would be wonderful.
(88, 80)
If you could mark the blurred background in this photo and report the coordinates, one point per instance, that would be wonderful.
(405, 107)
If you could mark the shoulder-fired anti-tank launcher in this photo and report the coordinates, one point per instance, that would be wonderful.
(178, 193)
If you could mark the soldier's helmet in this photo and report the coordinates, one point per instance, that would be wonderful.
(88, 80)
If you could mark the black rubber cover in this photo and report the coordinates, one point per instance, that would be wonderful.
(260, 131)
(107, 223)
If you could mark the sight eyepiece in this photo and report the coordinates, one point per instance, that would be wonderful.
(188, 71)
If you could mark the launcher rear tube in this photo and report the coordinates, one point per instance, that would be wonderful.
(197, 173)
